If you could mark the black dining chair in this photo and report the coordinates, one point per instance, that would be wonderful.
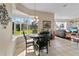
(43, 43)
(29, 42)
(47, 33)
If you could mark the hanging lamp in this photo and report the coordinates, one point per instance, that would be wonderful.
(35, 14)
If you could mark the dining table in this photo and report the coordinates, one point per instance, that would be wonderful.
(36, 37)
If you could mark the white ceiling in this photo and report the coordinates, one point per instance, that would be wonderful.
(61, 10)
(18, 13)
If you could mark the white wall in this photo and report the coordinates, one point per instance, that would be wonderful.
(6, 44)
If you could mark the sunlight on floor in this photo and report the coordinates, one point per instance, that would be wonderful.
(29, 50)
(59, 47)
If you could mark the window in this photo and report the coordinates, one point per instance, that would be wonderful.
(27, 24)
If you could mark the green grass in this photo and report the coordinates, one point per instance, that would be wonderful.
(26, 32)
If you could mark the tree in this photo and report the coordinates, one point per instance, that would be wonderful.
(34, 27)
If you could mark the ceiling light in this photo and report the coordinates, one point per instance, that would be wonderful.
(65, 5)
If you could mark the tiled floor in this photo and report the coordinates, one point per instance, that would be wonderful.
(59, 47)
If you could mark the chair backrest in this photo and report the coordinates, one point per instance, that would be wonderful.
(25, 37)
(46, 34)
(43, 40)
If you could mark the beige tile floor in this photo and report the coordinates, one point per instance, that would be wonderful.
(59, 47)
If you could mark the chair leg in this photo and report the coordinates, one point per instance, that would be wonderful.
(49, 43)
(34, 46)
(26, 51)
(26, 48)
(47, 49)
(39, 52)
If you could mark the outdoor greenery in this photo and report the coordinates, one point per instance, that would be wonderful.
(26, 32)
(34, 27)
(30, 28)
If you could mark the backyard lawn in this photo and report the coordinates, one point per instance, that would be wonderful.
(26, 32)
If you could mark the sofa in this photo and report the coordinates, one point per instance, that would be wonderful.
(60, 33)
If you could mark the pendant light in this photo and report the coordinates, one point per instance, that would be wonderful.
(34, 11)
(35, 14)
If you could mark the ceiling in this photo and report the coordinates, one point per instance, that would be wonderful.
(61, 10)
(18, 13)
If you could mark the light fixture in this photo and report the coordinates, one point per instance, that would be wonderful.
(35, 14)
(64, 5)
(4, 17)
